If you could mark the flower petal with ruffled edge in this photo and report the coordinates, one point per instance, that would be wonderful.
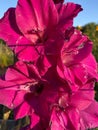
(90, 116)
(74, 49)
(38, 28)
(9, 30)
(7, 93)
(67, 12)
(37, 16)
(67, 113)
(74, 59)
(11, 34)
(29, 93)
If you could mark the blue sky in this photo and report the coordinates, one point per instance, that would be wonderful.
(89, 14)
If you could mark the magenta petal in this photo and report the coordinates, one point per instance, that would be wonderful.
(53, 47)
(34, 119)
(10, 97)
(37, 16)
(74, 50)
(85, 71)
(22, 73)
(6, 94)
(58, 120)
(7, 97)
(23, 109)
(74, 117)
(90, 65)
(25, 50)
(83, 97)
(65, 120)
(9, 31)
(66, 74)
(66, 13)
(90, 116)
(79, 73)
(42, 65)
(17, 73)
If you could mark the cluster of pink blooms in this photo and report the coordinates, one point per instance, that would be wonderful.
(53, 79)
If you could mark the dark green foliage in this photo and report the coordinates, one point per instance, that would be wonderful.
(6, 57)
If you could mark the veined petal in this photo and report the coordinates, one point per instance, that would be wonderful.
(6, 97)
(34, 119)
(67, 75)
(74, 50)
(17, 73)
(22, 73)
(91, 67)
(9, 30)
(23, 109)
(6, 93)
(67, 12)
(25, 50)
(74, 117)
(58, 120)
(83, 97)
(90, 116)
(33, 17)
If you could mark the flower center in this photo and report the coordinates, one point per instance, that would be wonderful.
(63, 101)
(36, 88)
(41, 35)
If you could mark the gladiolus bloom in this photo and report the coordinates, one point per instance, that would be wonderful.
(53, 79)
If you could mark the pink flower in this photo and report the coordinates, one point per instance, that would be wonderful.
(29, 27)
(75, 111)
(76, 63)
(43, 97)
(53, 79)
(27, 93)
